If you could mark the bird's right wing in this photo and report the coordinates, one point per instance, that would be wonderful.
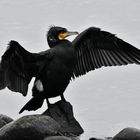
(18, 66)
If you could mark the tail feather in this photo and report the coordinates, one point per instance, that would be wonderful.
(33, 104)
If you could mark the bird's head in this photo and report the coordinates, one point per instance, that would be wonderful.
(57, 34)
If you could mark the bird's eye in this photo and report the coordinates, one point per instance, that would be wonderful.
(52, 39)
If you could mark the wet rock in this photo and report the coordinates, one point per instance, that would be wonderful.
(128, 134)
(4, 120)
(62, 112)
(31, 127)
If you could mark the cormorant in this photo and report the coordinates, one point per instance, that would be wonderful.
(54, 68)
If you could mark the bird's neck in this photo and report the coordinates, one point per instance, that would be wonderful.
(55, 43)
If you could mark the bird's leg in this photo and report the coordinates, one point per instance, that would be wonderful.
(64, 109)
(48, 103)
(49, 107)
(63, 98)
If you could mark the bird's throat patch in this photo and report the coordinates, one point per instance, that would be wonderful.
(62, 36)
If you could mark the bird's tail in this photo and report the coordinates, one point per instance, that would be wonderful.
(33, 104)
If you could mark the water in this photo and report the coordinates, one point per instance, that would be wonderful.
(104, 101)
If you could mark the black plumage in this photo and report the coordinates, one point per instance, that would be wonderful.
(54, 68)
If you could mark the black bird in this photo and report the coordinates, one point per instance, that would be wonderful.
(53, 69)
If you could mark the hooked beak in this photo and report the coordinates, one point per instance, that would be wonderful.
(62, 36)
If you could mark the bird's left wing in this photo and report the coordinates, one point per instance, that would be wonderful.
(96, 48)
(18, 66)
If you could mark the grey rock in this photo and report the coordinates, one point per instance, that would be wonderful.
(4, 120)
(128, 134)
(57, 138)
(107, 138)
(55, 123)
(31, 127)
(62, 112)
(95, 139)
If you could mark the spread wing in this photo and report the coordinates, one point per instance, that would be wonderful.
(18, 66)
(96, 48)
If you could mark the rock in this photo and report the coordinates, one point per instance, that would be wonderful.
(95, 139)
(57, 138)
(31, 127)
(107, 138)
(128, 134)
(54, 124)
(4, 120)
(62, 112)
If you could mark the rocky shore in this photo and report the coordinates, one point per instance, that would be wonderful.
(56, 123)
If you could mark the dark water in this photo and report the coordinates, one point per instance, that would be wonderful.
(106, 100)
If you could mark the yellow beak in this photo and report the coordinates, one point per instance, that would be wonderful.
(62, 36)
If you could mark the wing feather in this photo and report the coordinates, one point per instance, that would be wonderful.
(96, 48)
(18, 66)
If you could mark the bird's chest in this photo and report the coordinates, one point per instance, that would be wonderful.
(62, 64)
(65, 56)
